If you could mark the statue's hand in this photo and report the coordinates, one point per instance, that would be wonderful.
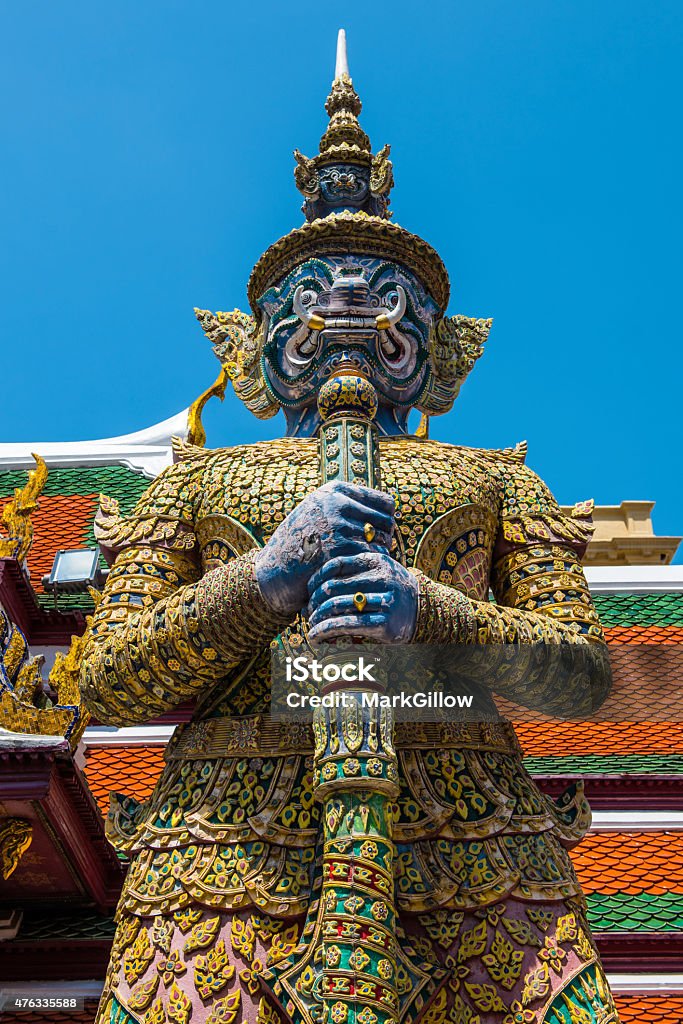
(391, 592)
(327, 524)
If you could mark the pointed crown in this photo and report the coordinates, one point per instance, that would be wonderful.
(344, 143)
(346, 191)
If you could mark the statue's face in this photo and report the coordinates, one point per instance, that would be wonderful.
(343, 186)
(373, 314)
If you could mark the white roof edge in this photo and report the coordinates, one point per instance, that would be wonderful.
(634, 579)
(145, 451)
(135, 735)
(86, 988)
(645, 982)
(637, 821)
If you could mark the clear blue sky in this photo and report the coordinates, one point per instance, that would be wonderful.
(146, 164)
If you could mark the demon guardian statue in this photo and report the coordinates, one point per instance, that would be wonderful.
(363, 870)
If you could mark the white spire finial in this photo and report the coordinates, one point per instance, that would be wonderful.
(342, 65)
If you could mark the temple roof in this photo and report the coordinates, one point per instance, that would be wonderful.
(144, 451)
(66, 512)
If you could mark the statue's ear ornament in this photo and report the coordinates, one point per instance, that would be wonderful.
(306, 175)
(237, 341)
(455, 344)
(381, 173)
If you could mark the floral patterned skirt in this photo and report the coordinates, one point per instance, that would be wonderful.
(512, 962)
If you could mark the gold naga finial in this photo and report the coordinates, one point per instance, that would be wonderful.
(25, 706)
(16, 516)
(196, 435)
(423, 426)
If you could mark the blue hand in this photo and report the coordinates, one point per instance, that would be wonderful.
(390, 614)
(328, 523)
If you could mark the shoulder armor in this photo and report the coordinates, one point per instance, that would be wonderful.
(184, 450)
(163, 516)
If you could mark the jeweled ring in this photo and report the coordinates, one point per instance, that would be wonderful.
(360, 600)
(369, 532)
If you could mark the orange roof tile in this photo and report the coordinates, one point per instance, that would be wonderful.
(650, 1009)
(644, 635)
(630, 862)
(541, 739)
(132, 771)
(60, 521)
(647, 688)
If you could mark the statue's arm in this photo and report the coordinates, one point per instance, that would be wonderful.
(540, 598)
(162, 631)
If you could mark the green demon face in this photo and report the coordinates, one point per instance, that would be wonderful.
(346, 309)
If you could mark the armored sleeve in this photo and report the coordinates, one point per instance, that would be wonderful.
(163, 631)
(541, 605)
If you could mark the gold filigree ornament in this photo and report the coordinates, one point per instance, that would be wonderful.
(266, 1013)
(138, 957)
(455, 344)
(15, 839)
(114, 532)
(213, 972)
(238, 342)
(179, 1005)
(156, 1013)
(242, 938)
(225, 1010)
(202, 935)
(64, 675)
(16, 515)
(359, 233)
(25, 707)
(143, 994)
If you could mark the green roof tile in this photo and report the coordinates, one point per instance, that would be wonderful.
(116, 481)
(644, 912)
(606, 764)
(639, 609)
(76, 924)
(67, 602)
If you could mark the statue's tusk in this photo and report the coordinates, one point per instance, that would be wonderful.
(312, 320)
(386, 320)
(309, 345)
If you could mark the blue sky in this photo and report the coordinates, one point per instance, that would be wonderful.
(146, 164)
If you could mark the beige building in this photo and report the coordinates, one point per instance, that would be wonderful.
(624, 535)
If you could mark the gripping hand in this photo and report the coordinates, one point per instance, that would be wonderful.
(337, 520)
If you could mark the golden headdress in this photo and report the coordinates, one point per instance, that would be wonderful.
(346, 189)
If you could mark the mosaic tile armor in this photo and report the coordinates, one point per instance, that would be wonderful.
(470, 911)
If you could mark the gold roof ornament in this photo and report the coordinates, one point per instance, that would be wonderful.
(15, 838)
(16, 515)
(25, 706)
